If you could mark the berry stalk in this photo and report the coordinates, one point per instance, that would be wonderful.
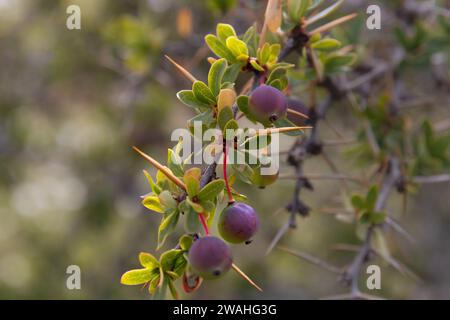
(225, 177)
(202, 219)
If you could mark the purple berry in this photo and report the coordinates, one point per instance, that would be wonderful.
(267, 104)
(238, 223)
(210, 257)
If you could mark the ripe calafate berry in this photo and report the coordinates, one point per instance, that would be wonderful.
(210, 257)
(267, 104)
(238, 222)
(263, 180)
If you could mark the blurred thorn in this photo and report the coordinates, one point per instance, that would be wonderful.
(186, 73)
(399, 229)
(247, 278)
(333, 128)
(312, 259)
(345, 247)
(324, 13)
(318, 68)
(277, 212)
(277, 237)
(269, 131)
(333, 24)
(400, 267)
(335, 169)
(292, 111)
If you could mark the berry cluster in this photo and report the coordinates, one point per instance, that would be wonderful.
(195, 193)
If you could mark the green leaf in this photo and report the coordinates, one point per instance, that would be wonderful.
(185, 242)
(196, 206)
(371, 197)
(152, 184)
(274, 52)
(326, 44)
(215, 75)
(192, 180)
(153, 203)
(211, 190)
(230, 129)
(279, 84)
(232, 73)
(236, 46)
(206, 118)
(168, 259)
(250, 38)
(167, 200)
(191, 222)
(377, 217)
(242, 103)
(208, 206)
(173, 290)
(188, 98)
(192, 186)
(153, 284)
(203, 93)
(276, 73)
(243, 172)
(358, 202)
(167, 226)
(264, 53)
(174, 163)
(256, 66)
(224, 31)
(225, 115)
(148, 261)
(136, 276)
(296, 9)
(219, 48)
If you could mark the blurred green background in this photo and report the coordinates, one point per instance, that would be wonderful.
(73, 102)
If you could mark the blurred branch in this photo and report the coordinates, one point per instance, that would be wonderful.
(431, 179)
(390, 181)
(312, 259)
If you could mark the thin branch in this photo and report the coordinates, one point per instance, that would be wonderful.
(390, 180)
(312, 259)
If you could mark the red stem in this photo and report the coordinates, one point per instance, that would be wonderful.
(204, 224)
(225, 177)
